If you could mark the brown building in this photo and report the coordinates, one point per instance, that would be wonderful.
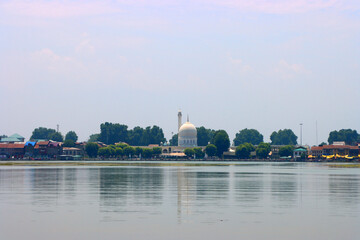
(337, 150)
(12, 150)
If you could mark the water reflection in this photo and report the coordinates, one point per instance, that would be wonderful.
(171, 196)
(284, 189)
(249, 187)
(344, 190)
(140, 185)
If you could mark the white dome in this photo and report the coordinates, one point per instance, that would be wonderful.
(187, 135)
(187, 130)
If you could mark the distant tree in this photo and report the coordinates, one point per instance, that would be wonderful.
(174, 140)
(263, 150)
(111, 133)
(56, 137)
(189, 152)
(322, 144)
(42, 133)
(204, 136)
(122, 145)
(153, 135)
(91, 149)
(283, 137)
(69, 143)
(221, 141)
(286, 151)
(129, 151)
(243, 150)
(119, 152)
(136, 136)
(106, 152)
(139, 151)
(147, 153)
(248, 136)
(211, 150)
(157, 151)
(349, 136)
(94, 137)
(198, 152)
(72, 136)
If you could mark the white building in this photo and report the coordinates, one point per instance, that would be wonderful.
(187, 135)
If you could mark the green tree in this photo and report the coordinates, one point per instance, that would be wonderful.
(94, 137)
(204, 136)
(221, 141)
(198, 152)
(136, 136)
(248, 136)
(174, 140)
(122, 145)
(189, 152)
(263, 150)
(153, 135)
(71, 135)
(119, 152)
(157, 151)
(129, 151)
(349, 136)
(69, 143)
(106, 152)
(283, 137)
(147, 153)
(91, 149)
(286, 151)
(211, 150)
(42, 133)
(139, 151)
(111, 133)
(56, 137)
(322, 144)
(243, 150)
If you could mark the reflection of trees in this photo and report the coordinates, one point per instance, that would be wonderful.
(249, 187)
(284, 188)
(141, 185)
(46, 183)
(70, 181)
(212, 185)
(344, 190)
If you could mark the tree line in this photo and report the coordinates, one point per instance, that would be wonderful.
(121, 150)
(111, 133)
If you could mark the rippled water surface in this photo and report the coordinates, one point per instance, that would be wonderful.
(235, 201)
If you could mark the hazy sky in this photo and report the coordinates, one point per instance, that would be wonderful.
(263, 64)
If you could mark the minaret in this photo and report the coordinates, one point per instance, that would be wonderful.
(179, 120)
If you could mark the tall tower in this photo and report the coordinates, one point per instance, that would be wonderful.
(179, 119)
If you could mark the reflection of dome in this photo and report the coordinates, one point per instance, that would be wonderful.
(187, 135)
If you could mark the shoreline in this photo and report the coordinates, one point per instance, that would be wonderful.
(114, 163)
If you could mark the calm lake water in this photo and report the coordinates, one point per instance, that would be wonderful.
(235, 201)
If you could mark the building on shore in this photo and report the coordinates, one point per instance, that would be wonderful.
(335, 151)
(15, 138)
(12, 150)
(187, 135)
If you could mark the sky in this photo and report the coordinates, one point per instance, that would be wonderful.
(229, 64)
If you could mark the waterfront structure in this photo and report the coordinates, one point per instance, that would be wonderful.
(12, 150)
(187, 136)
(13, 139)
(335, 151)
(299, 151)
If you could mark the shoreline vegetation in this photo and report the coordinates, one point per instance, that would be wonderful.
(160, 163)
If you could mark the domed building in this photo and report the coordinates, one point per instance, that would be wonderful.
(187, 136)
